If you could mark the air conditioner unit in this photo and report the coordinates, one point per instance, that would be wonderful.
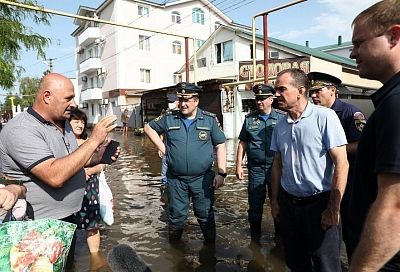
(104, 101)
(101, 71)
(79, 50)
(100, 40)
(84, 78)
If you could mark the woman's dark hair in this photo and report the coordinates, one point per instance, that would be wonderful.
(77, 114)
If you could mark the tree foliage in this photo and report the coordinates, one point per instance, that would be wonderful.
(27, 89)
(16, 35)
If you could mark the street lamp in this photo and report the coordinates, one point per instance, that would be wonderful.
(265, 36)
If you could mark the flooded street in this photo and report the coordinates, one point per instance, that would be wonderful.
(140, 220)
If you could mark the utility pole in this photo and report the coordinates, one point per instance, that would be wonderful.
(49, 62)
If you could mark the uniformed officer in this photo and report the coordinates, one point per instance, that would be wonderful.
(323, 92)
(191, 135)
(255, 141)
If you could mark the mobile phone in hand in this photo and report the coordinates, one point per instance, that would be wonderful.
(109, 152)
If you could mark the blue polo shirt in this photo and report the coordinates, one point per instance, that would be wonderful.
(304, 144)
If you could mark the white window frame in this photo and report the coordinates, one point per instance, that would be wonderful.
(220, 54)
(145, 75)
(144, 42)
(177, 78)
(143, 10)
(177, 47)
(176, 17)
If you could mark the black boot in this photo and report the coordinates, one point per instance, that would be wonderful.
(208, 234)
(174, 236)
(255, 231)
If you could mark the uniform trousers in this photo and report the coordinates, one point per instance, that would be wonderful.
(259, 180)
(307, 246)
(200, 189)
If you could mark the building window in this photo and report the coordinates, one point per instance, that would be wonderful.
(144, 42)
(176, 17)
(145, 75)
(224, 51)
(199, 43)
(177, 47)
(92, 109)
(216, 25)
(198, 16)
(177, 78)
(100, 109)
(201, 62)
(143, 11)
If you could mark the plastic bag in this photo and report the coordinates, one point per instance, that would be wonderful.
(37, 245)
(106, 200)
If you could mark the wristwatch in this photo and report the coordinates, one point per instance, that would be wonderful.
(222, 174)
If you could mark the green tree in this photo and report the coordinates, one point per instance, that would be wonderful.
(11, 97)
(27, 89)
(15, 36)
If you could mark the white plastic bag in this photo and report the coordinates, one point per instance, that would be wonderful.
(106, 200)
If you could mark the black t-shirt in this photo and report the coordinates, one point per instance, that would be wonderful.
(378, 151)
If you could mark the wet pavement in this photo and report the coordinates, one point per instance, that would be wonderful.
(140, 221)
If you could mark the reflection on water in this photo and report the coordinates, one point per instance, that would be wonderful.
(140, 220)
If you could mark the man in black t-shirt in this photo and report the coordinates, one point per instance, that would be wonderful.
(375, 201)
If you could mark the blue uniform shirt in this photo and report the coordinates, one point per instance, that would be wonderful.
(257, 133)
(351, 118)
(190, 151)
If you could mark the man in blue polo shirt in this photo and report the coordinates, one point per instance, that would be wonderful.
(323, 92)
(309, 176)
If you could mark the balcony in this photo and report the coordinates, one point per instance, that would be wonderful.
(89, 36)
(92, 93)
(90, 65)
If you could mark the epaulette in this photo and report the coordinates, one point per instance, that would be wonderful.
(280, 111)
(252, 113)
(171, 112)
(208, 113)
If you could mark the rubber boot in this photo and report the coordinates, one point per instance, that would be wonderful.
(255, 231)
(174, 236)
(208, 234)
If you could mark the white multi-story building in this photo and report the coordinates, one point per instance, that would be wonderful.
(116, 63)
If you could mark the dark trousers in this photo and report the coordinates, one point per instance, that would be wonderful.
(201, 191)
(307, 246)
(259, 180)
(70, 258)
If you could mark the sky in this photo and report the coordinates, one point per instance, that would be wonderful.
(317, 21)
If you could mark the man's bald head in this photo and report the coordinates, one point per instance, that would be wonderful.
(55, 97)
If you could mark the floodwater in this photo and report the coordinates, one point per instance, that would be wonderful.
(140, 220)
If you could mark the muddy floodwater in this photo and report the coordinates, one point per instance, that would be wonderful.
(140, 220)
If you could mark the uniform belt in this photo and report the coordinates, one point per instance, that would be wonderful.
(295, 200)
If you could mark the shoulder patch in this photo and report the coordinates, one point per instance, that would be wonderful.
(280, 111)
(253, 113)
(208, 113)
(359, 120)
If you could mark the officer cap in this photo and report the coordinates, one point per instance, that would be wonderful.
(320, 80)
(187, 90)
(263, 90)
